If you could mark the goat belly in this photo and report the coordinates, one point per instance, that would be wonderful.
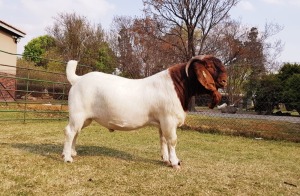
(124, 124)
(121, 125)
(121, 117)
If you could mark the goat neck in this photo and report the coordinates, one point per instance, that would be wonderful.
(185, 87)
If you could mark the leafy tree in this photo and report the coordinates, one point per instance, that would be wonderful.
(291, 93)
(268, 94)
(289, 76)
(76, 38)
(288, 70)
(107, 60)
(279, 88)
(36, 49)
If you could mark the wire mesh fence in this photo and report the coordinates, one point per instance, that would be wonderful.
(32, 94)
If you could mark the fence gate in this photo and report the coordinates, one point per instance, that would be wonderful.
(30, 94)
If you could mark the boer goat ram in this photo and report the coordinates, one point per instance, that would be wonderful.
(125, 104)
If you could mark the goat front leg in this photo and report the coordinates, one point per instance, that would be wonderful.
(169, 133)
(164, 149)
(172, 141)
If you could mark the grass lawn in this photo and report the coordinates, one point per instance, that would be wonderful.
(128, 163)
(252, 128)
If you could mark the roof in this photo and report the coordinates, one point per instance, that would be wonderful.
(11, 29)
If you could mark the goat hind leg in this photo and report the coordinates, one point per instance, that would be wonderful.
(73, 150)
(69, 137)
(85, 124)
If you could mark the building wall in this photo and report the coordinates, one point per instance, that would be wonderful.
(7, 82)
(7, 87)
(7, 43)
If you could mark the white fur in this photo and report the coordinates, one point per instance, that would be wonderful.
(71, 68)
(123, 104)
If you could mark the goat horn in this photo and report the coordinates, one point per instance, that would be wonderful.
(199, 57)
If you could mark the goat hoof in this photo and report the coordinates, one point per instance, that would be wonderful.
(178, 166)
(168, 163)
(67, 160)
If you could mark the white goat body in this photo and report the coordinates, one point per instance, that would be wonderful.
(126, 104)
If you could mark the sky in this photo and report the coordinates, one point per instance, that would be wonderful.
(34, 16)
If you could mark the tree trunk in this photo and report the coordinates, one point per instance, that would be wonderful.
(192, 105)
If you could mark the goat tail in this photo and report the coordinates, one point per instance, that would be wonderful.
(71, 72)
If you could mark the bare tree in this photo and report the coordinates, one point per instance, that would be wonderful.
(154, 54)
(190, 21)
(226, 40)
(139, 54)
(121, 39)
(271, 49)
(246, 52)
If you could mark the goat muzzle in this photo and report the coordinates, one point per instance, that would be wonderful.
(221, 84)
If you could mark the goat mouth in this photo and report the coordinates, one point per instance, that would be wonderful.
(222, 84)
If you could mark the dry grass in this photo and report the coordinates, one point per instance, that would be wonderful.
(122, 163)
(33, 111)
(252, 128)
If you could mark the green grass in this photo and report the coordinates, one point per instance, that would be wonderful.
(128, 163)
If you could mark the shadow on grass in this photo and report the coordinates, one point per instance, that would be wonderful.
(54, 151)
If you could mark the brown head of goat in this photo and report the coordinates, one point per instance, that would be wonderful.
(204, 74)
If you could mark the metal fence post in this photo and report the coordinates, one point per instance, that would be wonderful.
(26, 92)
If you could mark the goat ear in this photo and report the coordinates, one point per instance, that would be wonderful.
(191, 61)
(205, 78)
(208, 82)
